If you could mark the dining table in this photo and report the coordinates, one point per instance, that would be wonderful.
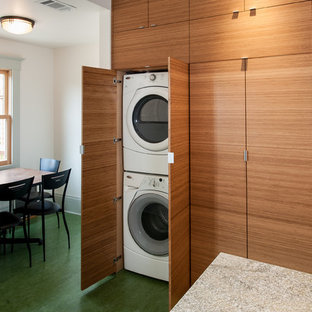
(17, 174)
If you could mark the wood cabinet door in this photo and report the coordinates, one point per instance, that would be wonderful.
(218, 170)
(163, 12)
(207, 8)
(179, 212)
(99, 176)
(266, 3)
(129, 14)
(272, 31)
(279, 167)
(151, 47)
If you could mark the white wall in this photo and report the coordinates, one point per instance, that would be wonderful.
(36, 100)
(67, 110)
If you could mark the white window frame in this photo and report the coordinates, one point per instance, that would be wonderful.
(13, 64)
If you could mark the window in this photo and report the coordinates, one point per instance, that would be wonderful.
(5, 119)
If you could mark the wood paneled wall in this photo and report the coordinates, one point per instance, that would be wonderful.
(279, 142)
(260, 209)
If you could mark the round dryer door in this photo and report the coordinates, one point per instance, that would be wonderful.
(148, 223)
(147, 118)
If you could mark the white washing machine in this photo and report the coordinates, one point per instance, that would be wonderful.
(145, 224)
(145, 122)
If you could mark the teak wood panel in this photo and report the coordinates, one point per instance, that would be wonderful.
(279, 97)
(207, 8)
(218, 170)
(218, 203)
(168, 11)
(129, 14)
(151, 46)
(179, 214)
(99, 173)
(218, 103)
(266, 3)
(280, 207)
(279, 30)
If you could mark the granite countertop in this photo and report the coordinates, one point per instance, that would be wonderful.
(235, 284)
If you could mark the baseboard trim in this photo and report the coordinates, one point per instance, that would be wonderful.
(72, 204)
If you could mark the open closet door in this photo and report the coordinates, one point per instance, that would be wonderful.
(179, 212)
(99, 175)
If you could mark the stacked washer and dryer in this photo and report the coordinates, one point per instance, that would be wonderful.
(145, 146)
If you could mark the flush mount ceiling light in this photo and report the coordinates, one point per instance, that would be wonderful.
(16, 24)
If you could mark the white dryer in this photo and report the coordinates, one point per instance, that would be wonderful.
(145, 225)
(145, 122)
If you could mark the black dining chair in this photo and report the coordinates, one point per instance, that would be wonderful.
(10, 192)
(50, 165)
(43, 207)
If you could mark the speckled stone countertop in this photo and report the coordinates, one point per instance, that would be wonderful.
(235, 284)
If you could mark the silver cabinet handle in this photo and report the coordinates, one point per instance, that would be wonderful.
(141, 27)
(153, 25)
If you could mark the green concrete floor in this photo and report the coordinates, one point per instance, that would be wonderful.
(54, 285)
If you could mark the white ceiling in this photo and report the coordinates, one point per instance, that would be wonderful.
(54, 28)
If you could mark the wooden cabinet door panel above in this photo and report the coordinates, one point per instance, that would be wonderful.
(151, 46)
(129, 14)
(272, 31)
(266, 3)
(279, 97)
(207, 8)
(168, 11)
(218, 103)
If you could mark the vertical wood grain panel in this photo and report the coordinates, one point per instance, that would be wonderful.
(179, 233)
(129, 14)
(279, 97)
(272, 31)
(151, 47)
(280, 160)
(99, 167)
(207, 8)
(280, 207)
(218, 171)
(168, 11)
(218, 103)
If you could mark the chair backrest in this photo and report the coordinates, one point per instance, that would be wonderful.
(16, 190)
(55, 180)
(48, 164)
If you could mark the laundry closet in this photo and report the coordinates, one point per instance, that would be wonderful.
(117, 164)
(241, 178)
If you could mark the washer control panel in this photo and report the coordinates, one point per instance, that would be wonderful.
(146, 181)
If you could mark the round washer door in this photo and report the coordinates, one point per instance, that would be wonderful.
(147, 118)
(148, 223)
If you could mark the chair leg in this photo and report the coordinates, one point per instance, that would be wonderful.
(12, 244)
(27, 241)
(43, 236)
(28, 223)
(4, 243)
(66, 227)
(58, 219)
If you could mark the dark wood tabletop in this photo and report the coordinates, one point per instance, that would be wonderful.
(16, 174)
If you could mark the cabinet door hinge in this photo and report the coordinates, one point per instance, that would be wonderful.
(115, 140)
(82, 149)
(115, 199)
(115, 80)
(244, 63)
(245, 155)
(115, 260)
